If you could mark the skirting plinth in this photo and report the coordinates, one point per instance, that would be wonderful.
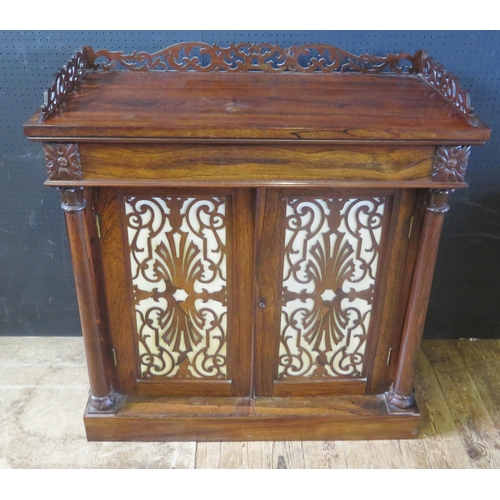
(246, 419)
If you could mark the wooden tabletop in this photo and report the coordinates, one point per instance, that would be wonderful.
(260, 106)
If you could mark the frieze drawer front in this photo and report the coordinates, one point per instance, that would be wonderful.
(253, 232)
(253, 164)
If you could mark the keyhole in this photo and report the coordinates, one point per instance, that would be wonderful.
(262, 304)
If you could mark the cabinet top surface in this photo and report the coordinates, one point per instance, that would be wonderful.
(257, 105)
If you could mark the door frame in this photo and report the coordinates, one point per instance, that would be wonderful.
(389, 297)
(109, 203)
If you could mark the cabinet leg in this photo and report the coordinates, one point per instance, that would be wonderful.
(82, 233)
(400, 395)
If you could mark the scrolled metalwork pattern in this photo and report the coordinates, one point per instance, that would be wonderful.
(330, 268)
(198, 56)
(178, 268)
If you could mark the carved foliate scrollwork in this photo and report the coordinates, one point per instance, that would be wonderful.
(65, 80)
(445, 83)
(178, 267)
(450, 163)
(63, 161)
(202, 57)
(197, 56)
(254, 57)
(330, 266)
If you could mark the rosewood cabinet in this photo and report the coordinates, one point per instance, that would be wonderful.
(253, 232)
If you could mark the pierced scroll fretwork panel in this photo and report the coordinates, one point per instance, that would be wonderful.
(329, 273)
(178, 264)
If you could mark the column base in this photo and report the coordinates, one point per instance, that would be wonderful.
(398, 403)
(104, 404)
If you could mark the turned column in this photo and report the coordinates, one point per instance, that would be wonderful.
(400, 394)
(81, 231)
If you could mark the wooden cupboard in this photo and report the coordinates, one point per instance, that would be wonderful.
(253, 233)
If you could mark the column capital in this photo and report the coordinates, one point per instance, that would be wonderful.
(72, 199)
(437, 200)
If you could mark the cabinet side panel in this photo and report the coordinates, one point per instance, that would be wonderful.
(393, 292)
(116, 288)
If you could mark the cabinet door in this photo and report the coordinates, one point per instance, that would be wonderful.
(331, 268)
(176, 265)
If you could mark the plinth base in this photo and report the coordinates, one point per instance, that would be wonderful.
(246, 419)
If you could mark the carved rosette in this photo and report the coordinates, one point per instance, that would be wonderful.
(63, 162)
(450, 163)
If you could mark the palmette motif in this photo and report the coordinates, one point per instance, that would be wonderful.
(178, 269)
(330, 267)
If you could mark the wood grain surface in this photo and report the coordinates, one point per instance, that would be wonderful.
(257, 105)
(475, 426)
(246, 419)
(119, 295)
(104, 162)
(259, 135)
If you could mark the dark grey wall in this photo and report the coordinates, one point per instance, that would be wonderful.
(36, 286)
